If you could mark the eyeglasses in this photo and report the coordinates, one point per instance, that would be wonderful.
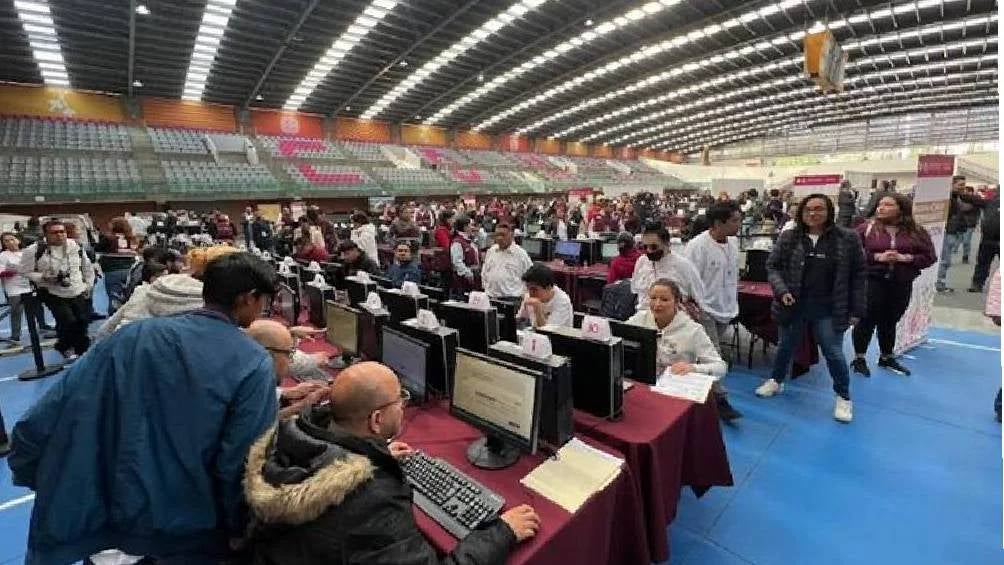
(403, 399)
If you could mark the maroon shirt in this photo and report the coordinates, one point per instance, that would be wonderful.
(622, 266)
(875, 239)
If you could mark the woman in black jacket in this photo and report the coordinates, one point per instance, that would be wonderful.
(818, 274)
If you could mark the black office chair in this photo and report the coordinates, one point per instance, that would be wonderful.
(756, 265)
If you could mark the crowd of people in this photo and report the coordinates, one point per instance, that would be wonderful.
(207, 459)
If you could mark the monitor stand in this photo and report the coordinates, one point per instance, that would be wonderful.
(491, 452)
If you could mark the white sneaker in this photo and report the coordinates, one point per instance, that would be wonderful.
(769, 388)
(842, 410)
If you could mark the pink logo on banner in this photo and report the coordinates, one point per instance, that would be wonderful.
(817, 180)
(935, 165)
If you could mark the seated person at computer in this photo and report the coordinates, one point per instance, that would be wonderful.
(327, 488)
(684, 346)
(308, 250)
(278, 340)
(504, 266)
(405, 267)
(544, 303)
(355, 259)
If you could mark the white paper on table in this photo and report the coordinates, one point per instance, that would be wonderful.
(691, 386)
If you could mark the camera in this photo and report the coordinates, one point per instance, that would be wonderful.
(63, 278)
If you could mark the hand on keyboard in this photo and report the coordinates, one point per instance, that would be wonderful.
(523, 521)
(400, 450)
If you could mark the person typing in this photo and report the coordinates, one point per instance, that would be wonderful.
(327, 486)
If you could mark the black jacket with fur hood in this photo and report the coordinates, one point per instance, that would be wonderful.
(323, 496)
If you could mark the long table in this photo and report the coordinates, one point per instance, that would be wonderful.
(604, 530)
(668, 443)
(754, 314)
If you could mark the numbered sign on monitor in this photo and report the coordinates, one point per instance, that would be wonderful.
(595, 327)
(479, 300)
(537, 345)
(409, 288)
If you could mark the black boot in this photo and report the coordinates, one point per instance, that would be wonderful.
(892, 364)
(725, 410)
(861, 366)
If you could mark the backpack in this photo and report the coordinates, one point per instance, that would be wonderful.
(618, 302)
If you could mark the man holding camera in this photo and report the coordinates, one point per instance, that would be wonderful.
(64, 277)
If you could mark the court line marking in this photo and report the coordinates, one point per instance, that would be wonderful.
(960, 344)
(17, 502)
(5, 379)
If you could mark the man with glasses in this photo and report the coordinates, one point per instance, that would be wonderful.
(327, 487)
(141, 445)
(64, 277)
(278, 340)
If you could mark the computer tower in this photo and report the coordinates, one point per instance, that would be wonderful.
(557, 424)
(316, 297)
(370, 327)
(358, 290)
(443, 343)
(478, 328)
(507, 310)
(598, 367)
(402, 306)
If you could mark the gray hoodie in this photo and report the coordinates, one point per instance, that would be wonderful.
(168, 295)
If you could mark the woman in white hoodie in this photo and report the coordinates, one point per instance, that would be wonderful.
(684, 346)
(364, 235)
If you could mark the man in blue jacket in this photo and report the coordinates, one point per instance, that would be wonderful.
(141, 445)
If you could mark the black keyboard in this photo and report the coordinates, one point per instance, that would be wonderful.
(452, 499)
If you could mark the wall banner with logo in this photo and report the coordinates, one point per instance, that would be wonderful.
(805, 185)
(930, 211)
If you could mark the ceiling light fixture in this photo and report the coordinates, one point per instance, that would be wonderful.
(341, 46)
(403, 63)
(36, 20)
(214, 24)
(137, 83)
(588, 23)
(142, 10)
(488, 28)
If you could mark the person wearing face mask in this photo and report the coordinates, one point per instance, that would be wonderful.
(622, 266)
(327, 487)
(818, 273)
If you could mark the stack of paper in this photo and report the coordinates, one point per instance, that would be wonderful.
(574, 474)
(692, 386)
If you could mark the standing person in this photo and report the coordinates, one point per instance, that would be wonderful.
(971, 218)
(896, 250)
(261, 232)
(364, 234)
(992, 310)
(327, 487)
(464, 257)
(443, 233)
(818, 273)
(118, 247)
(959, 202)
(32, 232)
(505, 263)
(715, 254)
(405, 267)
(622, 266)
(65, 279)
(658, 262)
(141, 445)
(846, 204)
(990, 241)
(246, 223)
(139, 225)
(327, 229)
(404, 226)
(16, 287)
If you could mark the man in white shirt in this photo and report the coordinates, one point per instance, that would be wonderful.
(65, 278)
(659, 263)
(505, 263)
(544, 304)
(139, 225)
(715, 254)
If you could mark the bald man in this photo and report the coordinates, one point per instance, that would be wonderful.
(327, 487)
(277, 339)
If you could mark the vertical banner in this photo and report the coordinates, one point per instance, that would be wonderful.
(805, 185)
(930, 210)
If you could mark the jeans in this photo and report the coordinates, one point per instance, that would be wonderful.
(967, 243)
(115, 282)
(73, 316)
(984, 258)
(887, 301)
(951, 243)
(830, 343)
(18, 308)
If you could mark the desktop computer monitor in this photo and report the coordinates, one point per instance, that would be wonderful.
(477, 328)
(287, 303)
(442, 361)
(434, 293)
(315, 297)
(609, 251)
(358, 291)
(534, 248)
(382, 282)
(407, 357)
(402, 306)
(503, 401)
(507, 310)
(369, 326)
(640, 350)
(597, 367)
(334, 274)
(343, 327)
(568, 251)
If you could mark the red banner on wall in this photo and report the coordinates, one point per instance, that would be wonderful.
(936, 166)
(817, 180)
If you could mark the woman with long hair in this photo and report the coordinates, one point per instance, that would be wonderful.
(118, 247)
(896, 250)
(817, 273)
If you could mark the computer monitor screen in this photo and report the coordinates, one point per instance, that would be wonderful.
(568, 249)
(500, 399)
(640, 350)
(533, 247)
(343, 327)
(610, 250)
(407, 357)
(285, 302)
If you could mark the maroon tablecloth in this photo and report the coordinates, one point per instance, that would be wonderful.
(754, 314)
(668, 444)
(605, 530)
(567, 277)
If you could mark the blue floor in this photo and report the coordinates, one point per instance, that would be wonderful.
(916, 479)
